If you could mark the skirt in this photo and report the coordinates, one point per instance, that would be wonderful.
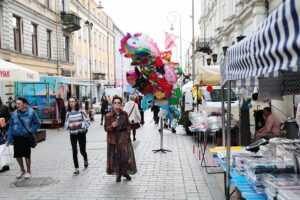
(21, 147)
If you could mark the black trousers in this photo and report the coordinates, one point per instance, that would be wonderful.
(142, 116)
(81, 138)
(102, 117)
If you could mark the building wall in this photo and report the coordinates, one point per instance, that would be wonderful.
(224, 20)
(102, 40)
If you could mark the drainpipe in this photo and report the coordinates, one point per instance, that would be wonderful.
(57, 37)
(267, 7)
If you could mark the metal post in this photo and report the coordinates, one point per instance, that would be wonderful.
(228, 142)
(90, 63)
(193, 43)
(122, 76)
(223, 116)
(161, 133)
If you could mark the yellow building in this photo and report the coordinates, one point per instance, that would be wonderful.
(37, 35)
(93, 48)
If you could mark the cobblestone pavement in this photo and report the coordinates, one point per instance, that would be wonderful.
(175, 175)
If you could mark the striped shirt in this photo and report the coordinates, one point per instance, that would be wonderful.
(77, 122)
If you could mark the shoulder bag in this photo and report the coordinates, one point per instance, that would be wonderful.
(134, 125)
(32, 139)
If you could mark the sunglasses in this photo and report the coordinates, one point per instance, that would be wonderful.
(117, 102)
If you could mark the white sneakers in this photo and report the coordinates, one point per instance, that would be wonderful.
(20, 175)
(23, 175)
(27, 176)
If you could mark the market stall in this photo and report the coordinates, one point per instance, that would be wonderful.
(272, 51)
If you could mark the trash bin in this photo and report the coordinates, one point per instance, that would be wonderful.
(291, 128)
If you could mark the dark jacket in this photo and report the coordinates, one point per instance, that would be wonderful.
(104, 107)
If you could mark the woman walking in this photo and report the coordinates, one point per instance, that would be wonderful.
(120, 154)
(23, 123)
(134, 114)
(4, 116)
(104, 108)
(77, 123)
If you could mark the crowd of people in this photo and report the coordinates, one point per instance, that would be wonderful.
(119, 119)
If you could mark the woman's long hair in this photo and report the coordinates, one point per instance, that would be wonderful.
(76, 106)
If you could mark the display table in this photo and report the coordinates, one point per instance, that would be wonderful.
(241, 183)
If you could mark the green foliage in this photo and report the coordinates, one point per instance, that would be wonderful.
(184, 119)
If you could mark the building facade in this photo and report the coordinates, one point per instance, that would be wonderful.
(225, 22)
(37, 34)
(94, 48)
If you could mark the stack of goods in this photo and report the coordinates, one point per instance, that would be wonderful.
(283, 183)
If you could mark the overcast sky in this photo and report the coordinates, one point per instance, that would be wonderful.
(151, 17)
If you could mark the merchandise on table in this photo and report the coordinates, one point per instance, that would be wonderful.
(288, 195)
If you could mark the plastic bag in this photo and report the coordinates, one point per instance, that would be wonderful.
(6, 155)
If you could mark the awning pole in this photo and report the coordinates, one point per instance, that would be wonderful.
(223, 116)
(228, 142)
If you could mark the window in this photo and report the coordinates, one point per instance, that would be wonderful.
(34, 39)
(66, 48)
(17, 33)
(216, 95)
(49, 44)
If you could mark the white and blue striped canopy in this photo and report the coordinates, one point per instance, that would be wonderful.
(275, 46)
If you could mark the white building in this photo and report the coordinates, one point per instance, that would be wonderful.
(225, 22)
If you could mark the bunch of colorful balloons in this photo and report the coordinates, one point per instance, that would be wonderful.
(154, 74)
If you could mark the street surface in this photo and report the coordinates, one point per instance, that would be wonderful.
(176, 175)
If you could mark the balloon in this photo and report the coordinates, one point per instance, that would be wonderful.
(173, 101)
(170, 75)
(131, 77)
(159, 94)
(178, 93)
(152, 76)
(162, 83)
(158, 62)
(178, 71)
(147, 89)
(147, 101)
(209, 88)
(161, 102)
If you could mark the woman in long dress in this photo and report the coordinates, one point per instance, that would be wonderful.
(120, 154)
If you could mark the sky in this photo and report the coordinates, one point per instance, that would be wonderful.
(153, 16)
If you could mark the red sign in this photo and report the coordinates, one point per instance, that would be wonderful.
(4, 73)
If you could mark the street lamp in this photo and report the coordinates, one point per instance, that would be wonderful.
(89, 25)
(172, 18)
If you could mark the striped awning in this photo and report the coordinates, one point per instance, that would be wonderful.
(275, 46)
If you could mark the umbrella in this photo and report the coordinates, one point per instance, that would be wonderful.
(12, 72)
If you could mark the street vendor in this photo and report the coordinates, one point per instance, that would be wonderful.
(271, 127)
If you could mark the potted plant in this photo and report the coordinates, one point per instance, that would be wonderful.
(185, 122)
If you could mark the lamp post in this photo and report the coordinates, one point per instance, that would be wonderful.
(89, 25)
(172, 18)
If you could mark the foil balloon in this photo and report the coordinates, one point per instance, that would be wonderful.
(147, 101)
(159, 94)
(170, 75)
(161, 102)
(131, 77)
(209, 88)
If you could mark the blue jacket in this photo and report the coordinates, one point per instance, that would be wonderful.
(30, 120)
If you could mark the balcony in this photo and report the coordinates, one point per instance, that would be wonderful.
(70, 21)
(203, 45)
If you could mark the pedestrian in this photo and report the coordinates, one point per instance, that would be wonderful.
(77, 123)
(104, 108)
(23, 123)
(134, 115)
(138, 101)
(4, 116)
(155, 110)
(120, 154)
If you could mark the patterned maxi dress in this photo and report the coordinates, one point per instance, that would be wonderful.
(120, 154)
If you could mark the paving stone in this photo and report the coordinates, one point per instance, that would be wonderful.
(175, 175)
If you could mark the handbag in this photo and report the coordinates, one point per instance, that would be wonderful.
(32, 139)
(134, 125)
